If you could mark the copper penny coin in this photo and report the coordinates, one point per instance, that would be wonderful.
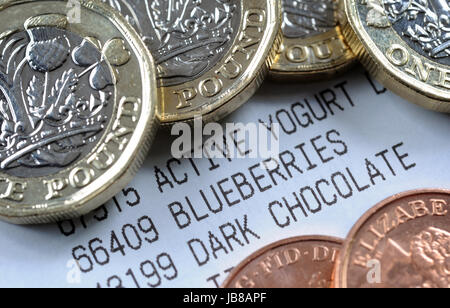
(300, 262)
(403, 242)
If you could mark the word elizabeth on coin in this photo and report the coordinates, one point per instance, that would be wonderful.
(405, 44)
(73, 130)
(301, 262)
(402, 242)
(212, 55)
(313, 47)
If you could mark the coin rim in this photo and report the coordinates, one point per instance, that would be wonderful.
(288, 241)
(391, 77)
(108, 183)
(342, 260)
(242, 88)
(313, 72)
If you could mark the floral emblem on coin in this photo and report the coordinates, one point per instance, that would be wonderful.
(303, 18)
(425, 24)
(55, 95)
(186, 37)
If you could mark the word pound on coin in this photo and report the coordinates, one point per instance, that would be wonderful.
(211, 55)
(77, 108)
(405, 44)
(313, 47)
(403, 242)
(300, 262)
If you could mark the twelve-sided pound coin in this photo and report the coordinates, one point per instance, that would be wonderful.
(313, 47)
(78, 101)
(212, 55)
(404, 242)
(405, 44)
(300, 262)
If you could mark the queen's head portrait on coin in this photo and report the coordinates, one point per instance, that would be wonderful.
(77, 108)
(403, 242)
(211, 54)
(313, 47)
(405, 44)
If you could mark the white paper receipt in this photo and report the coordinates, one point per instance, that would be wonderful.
(345, 145)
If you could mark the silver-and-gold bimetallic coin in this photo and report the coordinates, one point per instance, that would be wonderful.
(78, 101)
(212, 55)
(313, 47)
(405, 44)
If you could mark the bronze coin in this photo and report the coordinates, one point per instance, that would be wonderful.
(403, 242)
(300, 262)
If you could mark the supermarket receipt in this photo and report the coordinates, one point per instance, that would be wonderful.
(345, 145)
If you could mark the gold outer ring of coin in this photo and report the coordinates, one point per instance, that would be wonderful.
(95, 178)
(342, 264)
(247, 263)
(372, 47)
(298, 59)
(236, 77)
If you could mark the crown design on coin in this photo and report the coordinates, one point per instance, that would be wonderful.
(47, 118)
(186, 34)
(425, 22)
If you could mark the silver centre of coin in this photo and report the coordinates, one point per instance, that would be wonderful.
(186, 37)
(305, 18)
(56, 97)
(423, 24)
